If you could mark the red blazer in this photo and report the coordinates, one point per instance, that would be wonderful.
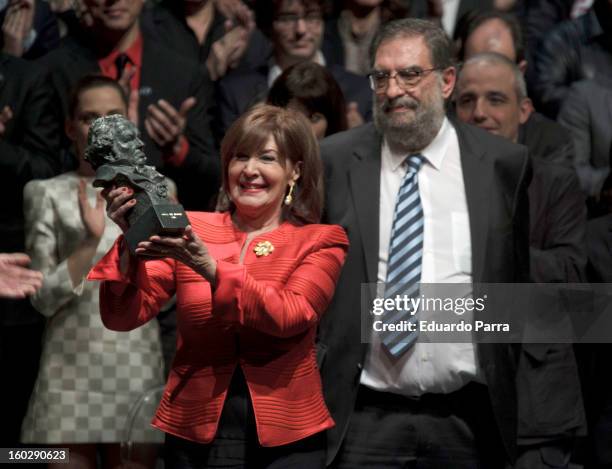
(262, 316)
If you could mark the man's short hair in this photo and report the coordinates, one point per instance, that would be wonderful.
(267, 10)
(440, 47)
(475, 18)
(493, 58)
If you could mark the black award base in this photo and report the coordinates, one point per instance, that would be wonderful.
(162, 220)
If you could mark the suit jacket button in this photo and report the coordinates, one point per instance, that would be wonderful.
(360, 366)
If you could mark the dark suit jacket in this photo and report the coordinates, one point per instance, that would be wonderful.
(29, 149)
(586, 113)
(557, 211)
(237, 92)
(496, 175)
(546, 140)
(163, 75)
(550, 403)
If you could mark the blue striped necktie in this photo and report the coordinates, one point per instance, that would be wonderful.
(405, 256)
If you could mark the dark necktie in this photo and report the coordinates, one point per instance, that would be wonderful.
(120, 62)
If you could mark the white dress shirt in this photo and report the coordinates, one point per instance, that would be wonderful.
(450, 9)
(447, 258)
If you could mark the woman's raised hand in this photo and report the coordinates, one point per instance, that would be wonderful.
(92, 215)
(119, 200)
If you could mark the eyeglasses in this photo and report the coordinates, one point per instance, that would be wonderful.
(406, 78)
(311, 18)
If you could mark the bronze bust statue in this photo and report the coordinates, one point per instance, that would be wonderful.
(114, 150)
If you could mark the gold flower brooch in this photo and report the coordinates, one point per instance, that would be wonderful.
(263, 248)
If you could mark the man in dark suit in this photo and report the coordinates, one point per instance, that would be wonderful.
(433, 405)
(586, 113)
(296, 31)
(491, 94)
(29, 149)
(171, 99)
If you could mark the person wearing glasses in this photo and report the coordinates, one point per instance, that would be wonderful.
(424, 199)
(295, 28)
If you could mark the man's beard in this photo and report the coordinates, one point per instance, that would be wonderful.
(412, 136)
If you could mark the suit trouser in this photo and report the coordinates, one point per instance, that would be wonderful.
(453, 430)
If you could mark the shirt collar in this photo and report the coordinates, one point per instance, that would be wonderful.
(434, 153)
(134, 53)
(275, 71)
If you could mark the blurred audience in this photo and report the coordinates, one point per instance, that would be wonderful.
(450, 12)
(197, 29)
(349, 33)
(575, 50)
(170, 99)
(29, 148)
(597, 380)
(310, 89)
(295, 28)
(89, 376)
(29, 28)
(587, 114)
(493, 31)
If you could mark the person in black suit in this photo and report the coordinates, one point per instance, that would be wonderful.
(30, 132)
(296, 31)
(171, 99)
(491, 94)
(435, 405)
(200, 31)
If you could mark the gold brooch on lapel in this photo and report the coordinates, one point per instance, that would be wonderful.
(263, 248)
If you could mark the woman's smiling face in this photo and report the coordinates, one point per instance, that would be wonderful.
(258, 182)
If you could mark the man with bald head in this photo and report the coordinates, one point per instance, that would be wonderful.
(491, 94)
(494, 31)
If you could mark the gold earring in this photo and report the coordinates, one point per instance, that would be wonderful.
(289, 197)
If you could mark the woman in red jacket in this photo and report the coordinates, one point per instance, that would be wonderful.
(251, 284)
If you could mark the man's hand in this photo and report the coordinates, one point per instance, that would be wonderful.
(16, 280)
(235, 11)
(5, 115)
(226, 52)
(166, 126)
(17, 26)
